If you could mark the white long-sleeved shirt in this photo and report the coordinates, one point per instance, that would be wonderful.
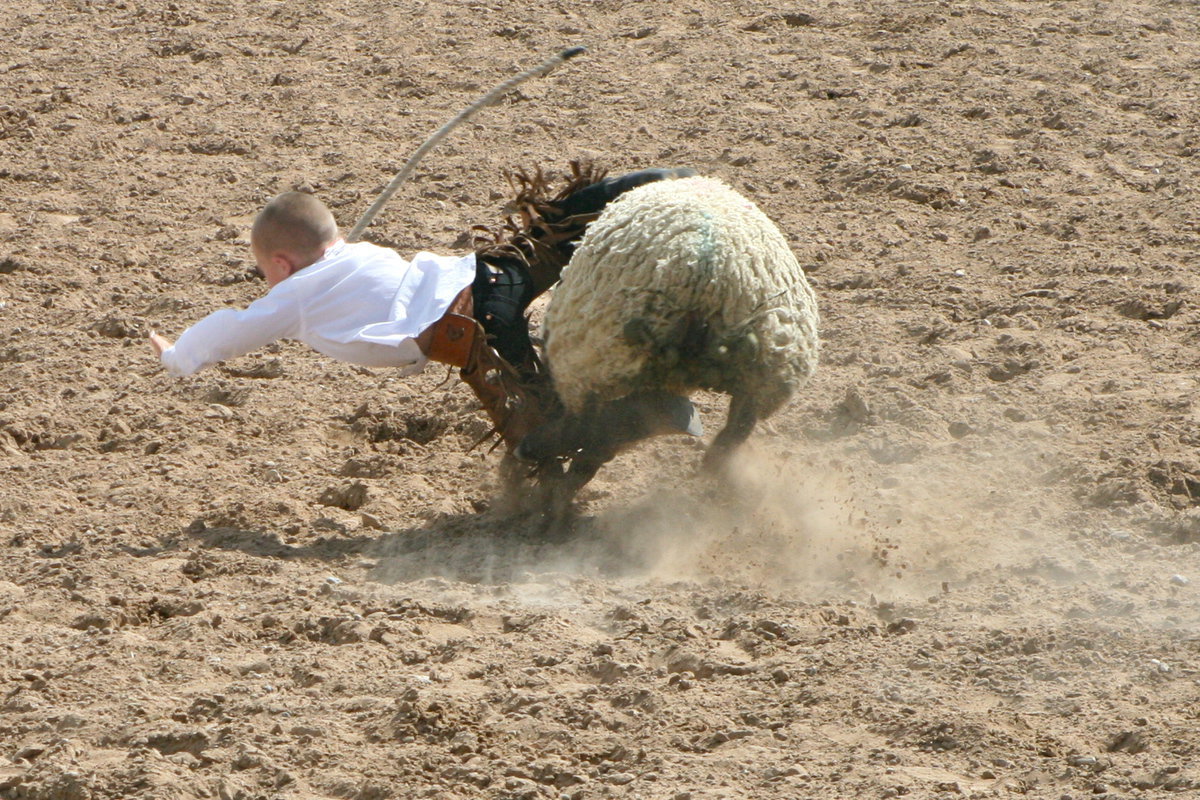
(360, 303)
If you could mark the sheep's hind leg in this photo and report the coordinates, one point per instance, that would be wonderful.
(743, 414)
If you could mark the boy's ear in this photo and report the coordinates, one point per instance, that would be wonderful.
(284, 262)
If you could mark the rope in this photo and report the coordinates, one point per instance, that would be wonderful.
(489, 98)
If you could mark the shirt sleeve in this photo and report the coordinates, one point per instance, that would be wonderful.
(229, 333)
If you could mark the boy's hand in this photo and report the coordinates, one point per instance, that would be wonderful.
(159, 343)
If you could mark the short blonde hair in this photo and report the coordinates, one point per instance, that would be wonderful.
(296, 223)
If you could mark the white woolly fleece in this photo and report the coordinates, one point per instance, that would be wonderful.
(662, 252)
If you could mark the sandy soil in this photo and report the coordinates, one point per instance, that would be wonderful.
(964, 562)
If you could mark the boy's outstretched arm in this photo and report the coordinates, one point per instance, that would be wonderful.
(159, 343)
(228, 333)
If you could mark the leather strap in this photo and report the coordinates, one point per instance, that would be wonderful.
(451, 339)
(514, 406)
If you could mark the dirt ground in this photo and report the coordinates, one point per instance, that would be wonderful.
(964, 562)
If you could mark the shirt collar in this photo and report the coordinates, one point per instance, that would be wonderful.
(334, 249)
(331, 251)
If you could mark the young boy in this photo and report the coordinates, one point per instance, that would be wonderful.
(358, 302)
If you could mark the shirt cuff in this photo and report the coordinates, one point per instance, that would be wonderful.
(174, 364)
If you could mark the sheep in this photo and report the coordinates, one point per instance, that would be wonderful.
(679, 285)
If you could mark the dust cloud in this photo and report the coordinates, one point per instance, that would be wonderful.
(778, 521)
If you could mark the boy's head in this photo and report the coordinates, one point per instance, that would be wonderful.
(291, 232)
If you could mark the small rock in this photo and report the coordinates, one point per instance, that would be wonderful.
(345, 631)
(92, 619)
(1055, 122)
(359, 468)
(218, 411)
(960, 429)
(681, 680)
(797, 19)
(10, 593)
(350, 497)
(117, 327)
(29, 752)
(520, 787)
(854, 406)
(464, 742)
(70, 722)
(1128, 741)
(1147, 780)
(1179, 580)
(179, 741)
(312, 731)
(272, 368)
(229, 789)
(262, 667)
(247, 759)
(21, 702)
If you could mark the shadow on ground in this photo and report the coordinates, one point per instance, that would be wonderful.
(500, 548)
(485, 548)
(265, 544)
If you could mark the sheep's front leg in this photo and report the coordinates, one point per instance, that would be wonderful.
(578, 439)
(565, 487)
(738, 424)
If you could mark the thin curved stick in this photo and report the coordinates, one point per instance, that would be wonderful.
(441, 132)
